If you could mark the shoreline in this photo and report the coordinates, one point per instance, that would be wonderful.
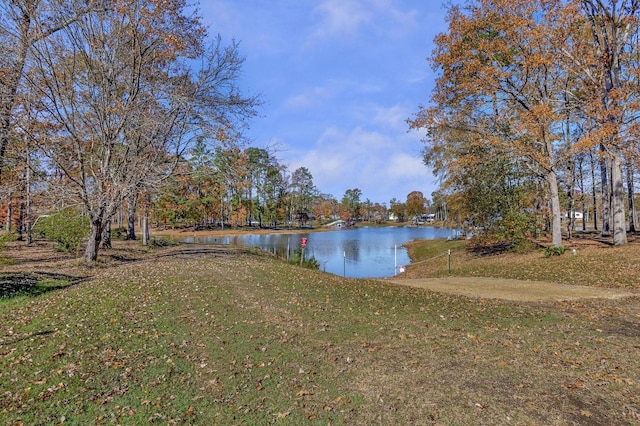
(232, 232)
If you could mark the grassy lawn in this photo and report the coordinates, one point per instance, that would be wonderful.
(223, 335)
(593, 263)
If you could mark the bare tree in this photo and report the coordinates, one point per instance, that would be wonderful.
(125, 102)
(24, 23)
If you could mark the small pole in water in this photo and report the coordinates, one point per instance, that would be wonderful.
(395, 259)
(344, 263)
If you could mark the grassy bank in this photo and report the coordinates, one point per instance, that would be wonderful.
(594, 262)
(221, 335)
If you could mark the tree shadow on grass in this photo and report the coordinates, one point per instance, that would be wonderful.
(34, 284)
(492, 249)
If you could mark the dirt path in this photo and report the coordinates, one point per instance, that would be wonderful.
(509, 289)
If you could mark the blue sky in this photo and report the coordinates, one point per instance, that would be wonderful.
(339, 79)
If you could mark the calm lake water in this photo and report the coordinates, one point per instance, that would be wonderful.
(358, 253)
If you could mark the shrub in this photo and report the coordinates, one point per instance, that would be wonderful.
(67, 228)
(119, 233)
(554, 251)
(309, 262)
(7, 238)
(523, 246)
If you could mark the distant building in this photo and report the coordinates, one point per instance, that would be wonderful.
(576, 215)
(429, 217)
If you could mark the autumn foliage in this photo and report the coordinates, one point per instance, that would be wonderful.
(524, 90)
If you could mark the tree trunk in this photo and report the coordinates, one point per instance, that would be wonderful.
(606, 198)
(21, 220)
(571, 216)
(593, 191)
(131, 219)
(12, 81)
(9, 212)
(106, 236)
(95, 235)
(582, 199)
(556, 225)
(27, 223)
(617, 202)
(221, 214)
(630, 192)
(145, 220)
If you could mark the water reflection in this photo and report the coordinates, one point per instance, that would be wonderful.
(358, 253)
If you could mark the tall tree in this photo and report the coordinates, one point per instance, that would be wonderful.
(416, 203)
(398, 209)
(351, 202)
(612, 86)
(439, 205)
(258, 163)
(500, 85)
(275, 194)
(24, 23)
(302, 193)
(118, 85)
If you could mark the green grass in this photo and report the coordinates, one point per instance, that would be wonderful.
(215, 337)
(423, 250)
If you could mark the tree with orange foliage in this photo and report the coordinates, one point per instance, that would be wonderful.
(500, 93)
(324, 206)
(602, 54)
(416, 204)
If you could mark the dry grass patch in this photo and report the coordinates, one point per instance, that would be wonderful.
(594, 263)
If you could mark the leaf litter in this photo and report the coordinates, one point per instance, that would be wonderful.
(233, 336)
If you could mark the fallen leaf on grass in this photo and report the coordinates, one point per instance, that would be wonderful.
(577, 385)
(586, 413)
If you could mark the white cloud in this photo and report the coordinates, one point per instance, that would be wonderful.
(399, 21)
(339, 79)
(394, 117)
(309, 97)
(377, 163)
(349, 18)
(333, 90)
(340, 18)
(263, 28)
(402, 165)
